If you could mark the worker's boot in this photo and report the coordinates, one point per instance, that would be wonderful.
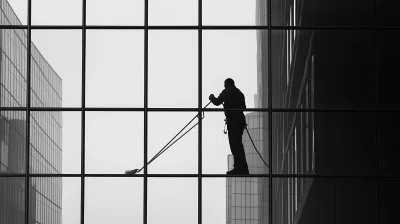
(238, 171)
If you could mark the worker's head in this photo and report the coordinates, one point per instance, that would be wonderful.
(229, 82)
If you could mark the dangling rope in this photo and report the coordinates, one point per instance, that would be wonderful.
(225, 131)
(256, 148)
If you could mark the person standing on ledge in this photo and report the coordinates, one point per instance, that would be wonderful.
(232, 98)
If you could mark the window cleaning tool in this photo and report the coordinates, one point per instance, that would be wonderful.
(169, 144)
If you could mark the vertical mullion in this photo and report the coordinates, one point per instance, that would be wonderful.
(28, 105)
(200, 161)
(146, 49)
(270, 218)
(83, 111)
(377, 115)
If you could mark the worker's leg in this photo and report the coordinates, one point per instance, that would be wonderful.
(235, 133)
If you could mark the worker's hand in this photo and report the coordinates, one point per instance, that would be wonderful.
(211, 97)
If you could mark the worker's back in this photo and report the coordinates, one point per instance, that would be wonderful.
(235, 100)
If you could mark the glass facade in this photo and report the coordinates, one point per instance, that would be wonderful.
(45, 148)
(322, 111)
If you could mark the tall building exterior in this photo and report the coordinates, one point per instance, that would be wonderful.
(247, 198)
(334, 150)
(45, 153)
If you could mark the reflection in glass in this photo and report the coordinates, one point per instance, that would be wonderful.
(172, 200)
(56, 12)
(119, 12)
(235, 200)
(173, 12)
(12, 141)
(13, 66)
(173, 58)
(55, 200)
(18, 15)
(234, 12)
(56, 68)
(46, 142)
(55, 142)
(323, 69)
(180, 157)
(294, 141)
(114, 141)
(115, 68)
(232, 54)
(12, 200)
(111, 200)
(327, 143)
(358, 13)
(323, 200)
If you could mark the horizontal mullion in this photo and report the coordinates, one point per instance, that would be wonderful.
(195, 27)
(304, 110)
(121, 109)
(372, 176)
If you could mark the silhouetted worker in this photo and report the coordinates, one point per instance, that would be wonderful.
(233, 98)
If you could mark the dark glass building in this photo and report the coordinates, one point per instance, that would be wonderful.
(333, 128)
(45, 150)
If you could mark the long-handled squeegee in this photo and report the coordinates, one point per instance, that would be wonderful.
(175, 139)
(170, 143)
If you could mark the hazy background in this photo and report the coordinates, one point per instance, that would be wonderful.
(114, 78)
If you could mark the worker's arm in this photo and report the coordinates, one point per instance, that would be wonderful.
(221, 98)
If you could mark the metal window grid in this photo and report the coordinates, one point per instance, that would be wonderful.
(270, 110)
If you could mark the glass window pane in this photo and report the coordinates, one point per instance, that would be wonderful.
(13, 141)
(56, 12)
(13, 67)
(173, 59)
(232, 54)
(386, 12)
(217, 154)
(114, 141)
(56, 68)
(172, 200)
(388, 143)
(55, 142)
(182, 156)
(323, 69)
(119, 12)
(16, 12)
(386, 47)
(234, 12)
(115, 68)
(324, 143)
(316, 200)
(388, 200)
(12, 200)
(235, 199)
(173, 12)
(358, 13)
(55, 199)
(110, 200)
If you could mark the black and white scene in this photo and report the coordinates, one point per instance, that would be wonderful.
(199, 112)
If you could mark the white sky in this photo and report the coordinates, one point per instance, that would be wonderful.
(114, 77)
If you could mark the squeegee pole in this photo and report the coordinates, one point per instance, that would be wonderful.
(163, 149)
